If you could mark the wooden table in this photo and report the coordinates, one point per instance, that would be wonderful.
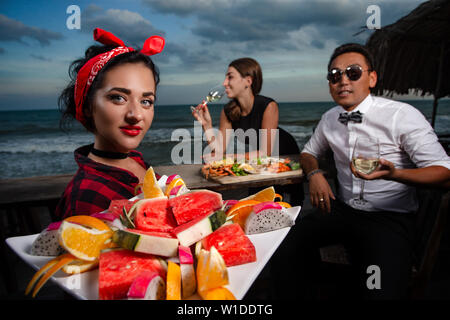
(194, 180)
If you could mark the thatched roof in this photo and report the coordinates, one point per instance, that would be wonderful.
(414, 52)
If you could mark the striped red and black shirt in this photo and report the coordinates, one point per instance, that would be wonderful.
(95, 184)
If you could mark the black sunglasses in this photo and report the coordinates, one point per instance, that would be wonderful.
(353, 72)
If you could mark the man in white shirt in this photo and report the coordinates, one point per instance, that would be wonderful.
(379, 232)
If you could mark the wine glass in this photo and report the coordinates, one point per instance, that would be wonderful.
(214, 94)
(365, 159)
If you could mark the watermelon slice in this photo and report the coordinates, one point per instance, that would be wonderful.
(157, 243)
(232, 243)
(116, 206)
(197, 229)
(154, 215)
(119, 268)
(194, 204)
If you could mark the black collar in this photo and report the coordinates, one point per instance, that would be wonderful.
(109, 154)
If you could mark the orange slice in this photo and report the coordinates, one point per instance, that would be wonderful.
(267, 194)
(284, 204)
(88, 221)
(174, 183)
(278, 196)
(240, 211)
(220, 293)
(47, 271)
(150, 185)
(39, 273)
(79, 266)
(82, 242)
(138, 189)
(211, 271)
(173, 283)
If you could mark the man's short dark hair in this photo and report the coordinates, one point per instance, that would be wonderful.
(353, 47)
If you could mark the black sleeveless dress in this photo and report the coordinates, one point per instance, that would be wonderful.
(287, 143)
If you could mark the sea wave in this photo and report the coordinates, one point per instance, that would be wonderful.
(29, 129)
(67, 143)
(46, 144)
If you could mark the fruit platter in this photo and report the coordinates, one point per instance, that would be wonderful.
(167, 243)
(230, 170)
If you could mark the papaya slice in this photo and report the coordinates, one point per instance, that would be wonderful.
(173, 284)
(220, 293)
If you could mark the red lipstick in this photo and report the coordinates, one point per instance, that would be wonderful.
(131, 130)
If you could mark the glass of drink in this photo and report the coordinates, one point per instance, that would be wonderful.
(365, 159)
(214, 94)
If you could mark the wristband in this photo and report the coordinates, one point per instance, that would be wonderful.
(309, 175)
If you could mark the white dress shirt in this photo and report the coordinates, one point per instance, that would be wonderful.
(406, 139)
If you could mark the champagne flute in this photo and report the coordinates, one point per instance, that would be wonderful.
(214, 94)
(365, 159)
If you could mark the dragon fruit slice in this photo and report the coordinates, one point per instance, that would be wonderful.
(147, 286)
(46, 244)
(229, 203)
(188, 280)
(54, 226)
(267, 216)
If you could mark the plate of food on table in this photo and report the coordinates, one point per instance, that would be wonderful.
(253, 169)
(167, 243)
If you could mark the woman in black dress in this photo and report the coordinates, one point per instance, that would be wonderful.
(246, 110)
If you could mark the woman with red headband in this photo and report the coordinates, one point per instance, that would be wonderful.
(112, 95)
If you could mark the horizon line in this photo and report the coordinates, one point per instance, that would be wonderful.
(218, 104)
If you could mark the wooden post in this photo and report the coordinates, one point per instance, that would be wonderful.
(438, 84)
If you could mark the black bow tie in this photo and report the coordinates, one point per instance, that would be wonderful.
(345, 117)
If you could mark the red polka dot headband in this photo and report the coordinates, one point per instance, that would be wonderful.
(89, 71)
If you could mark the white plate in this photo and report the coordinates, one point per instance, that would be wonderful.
(85, 285)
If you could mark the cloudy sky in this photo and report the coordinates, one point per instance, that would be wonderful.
(292, 40)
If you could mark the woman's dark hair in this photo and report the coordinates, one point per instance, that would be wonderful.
(245, 67)
(66, 100)
(354, 47)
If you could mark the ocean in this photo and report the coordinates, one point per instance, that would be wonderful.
(32, 144)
